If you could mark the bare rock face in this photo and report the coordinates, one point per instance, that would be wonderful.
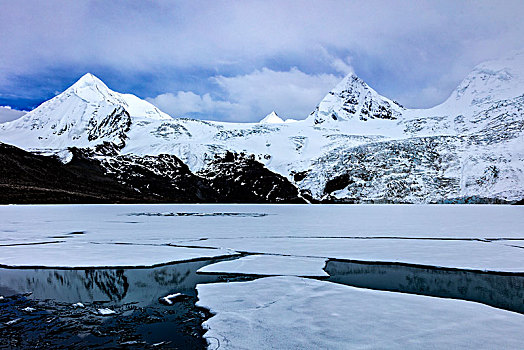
(162, 178)
(31, 178)
(113, 126)
(238, 178)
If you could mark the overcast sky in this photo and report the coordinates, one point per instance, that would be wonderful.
(239, 60)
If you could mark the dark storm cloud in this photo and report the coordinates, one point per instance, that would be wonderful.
(415, 52)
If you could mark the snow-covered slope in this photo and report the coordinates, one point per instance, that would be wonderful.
(355, 146)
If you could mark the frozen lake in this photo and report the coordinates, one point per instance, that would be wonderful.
(412, 256)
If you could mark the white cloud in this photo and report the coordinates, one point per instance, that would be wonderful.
(399, 46)
(186, 102)
(7, 114)
(250, 97)
(292, 94)
(343, 66)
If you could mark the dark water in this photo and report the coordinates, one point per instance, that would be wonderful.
(141, 321)
(501, 290)
(38, 310)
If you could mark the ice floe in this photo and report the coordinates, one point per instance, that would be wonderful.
(476, 255)
(100, 255)
(270, 265)
(298, 313)
(172, 298)
(106, 312)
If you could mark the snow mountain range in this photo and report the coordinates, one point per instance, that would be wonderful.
(356, 146)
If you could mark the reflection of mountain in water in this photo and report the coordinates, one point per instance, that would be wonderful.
(112, 283)
(167, 277)
(117, 285)
(504, 291)
(144, 286)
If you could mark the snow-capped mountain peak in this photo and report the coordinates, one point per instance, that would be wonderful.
(87, 80)
(272, 118)
(91, 89)
(492, 81)
(353, 99)
(87, 112)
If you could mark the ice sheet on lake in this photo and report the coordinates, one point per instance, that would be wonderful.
(512, 243)
(270, 265)
(276, 229)
(100, 255)
(298, 313)
(119, 222)
(457, 254)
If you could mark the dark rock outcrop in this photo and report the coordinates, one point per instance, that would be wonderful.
(164, 178)
(92, 177)
(241, 179)
(31, 178)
